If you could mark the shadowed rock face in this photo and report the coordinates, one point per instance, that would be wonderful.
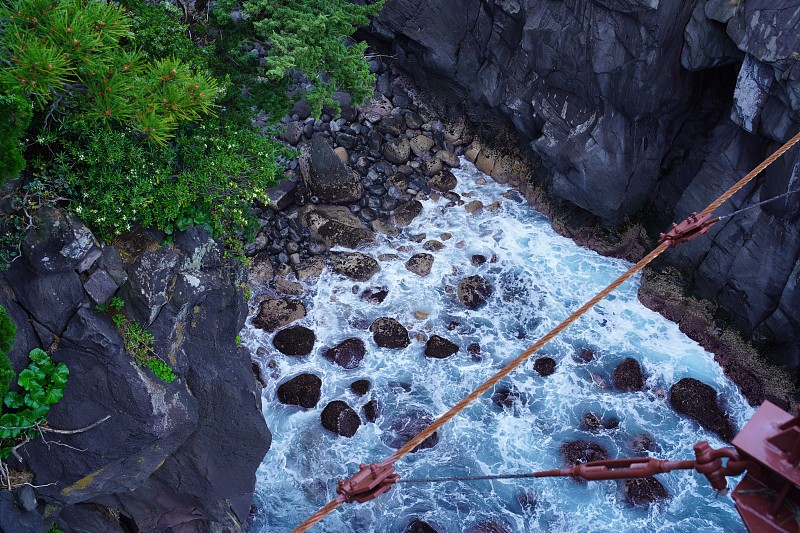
(628, 104)
(178, 454)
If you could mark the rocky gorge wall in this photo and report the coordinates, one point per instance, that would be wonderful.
(644, 109)
(177, 456)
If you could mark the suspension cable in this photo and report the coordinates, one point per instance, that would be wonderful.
(510, 367)
(749, 207)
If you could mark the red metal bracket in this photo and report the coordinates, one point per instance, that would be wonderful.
(694, 226)
(368, 483)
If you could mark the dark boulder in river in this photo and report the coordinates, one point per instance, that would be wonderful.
(698, 401)
(303, 390)
(340, 418)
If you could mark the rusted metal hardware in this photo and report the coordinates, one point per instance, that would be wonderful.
(768, 498)
(694, 226)
(619, 468)
(368, 483)
(708, 462)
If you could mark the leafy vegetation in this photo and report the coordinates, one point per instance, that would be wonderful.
(138, 121)
(74, 47)
(15, 114)
(8, 334)
(26, 411)
(138, 341)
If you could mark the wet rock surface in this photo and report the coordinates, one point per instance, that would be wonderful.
(356, 266)
(294, 340)
(545, 366)
(440, 348)
(698, 401)
(389, 333)
(340, 418)
(643, 491)
(583, 451)
(474, 291)
(348, 354)
(303, 390)
(628, 376)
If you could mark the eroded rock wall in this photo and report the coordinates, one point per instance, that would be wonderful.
(640, 106)
(177, 456)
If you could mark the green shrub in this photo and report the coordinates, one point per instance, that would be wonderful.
(157, 30)
(310, 37)
(57, 47)
(211, 176)
(42, 385)
(162, 370)
(15, 116)
(8, 334)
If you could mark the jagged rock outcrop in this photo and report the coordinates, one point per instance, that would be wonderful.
(172, 455)
(631, 104)
(698, 401)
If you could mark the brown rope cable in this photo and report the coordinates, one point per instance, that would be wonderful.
(319, 515)
(460, 406)
(442, 420)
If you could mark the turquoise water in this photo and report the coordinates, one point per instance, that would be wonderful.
(539, 278)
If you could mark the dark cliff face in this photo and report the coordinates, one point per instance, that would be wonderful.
(632, 104)
(177, 455)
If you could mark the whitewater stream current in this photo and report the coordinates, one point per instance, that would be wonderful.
(539, 278)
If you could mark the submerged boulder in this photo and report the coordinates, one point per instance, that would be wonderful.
(340, 418)
(698, 401)
(303, 390)
(583, 451)
(545, 366)
(474, 291)
(406, 426)
(643, 491)
(420, 526)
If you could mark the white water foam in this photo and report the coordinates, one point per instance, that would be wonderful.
(538, 279)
